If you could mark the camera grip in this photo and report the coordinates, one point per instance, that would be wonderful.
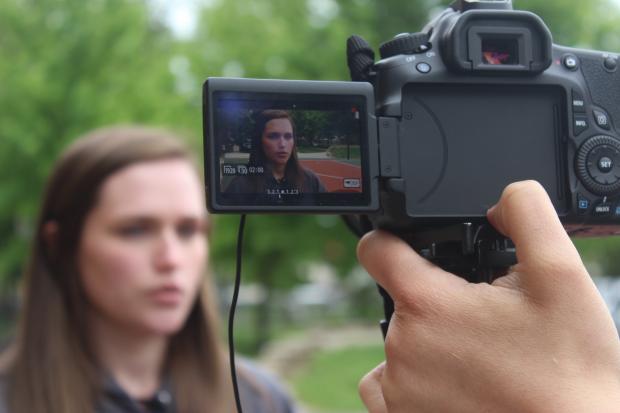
(603, 84)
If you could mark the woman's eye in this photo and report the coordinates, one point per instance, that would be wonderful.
(273, 136)
(188, 230)
(288, 136)
(134, 231)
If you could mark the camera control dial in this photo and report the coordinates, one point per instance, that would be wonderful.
(405, 43)
(598, 164)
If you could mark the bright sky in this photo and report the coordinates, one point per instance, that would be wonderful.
(180, 15)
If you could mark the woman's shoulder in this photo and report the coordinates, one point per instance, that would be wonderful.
(261, 390)
(315, 183)
(240, 184)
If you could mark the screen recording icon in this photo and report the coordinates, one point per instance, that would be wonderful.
(351, 183)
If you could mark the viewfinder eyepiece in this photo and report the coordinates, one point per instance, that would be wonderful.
(511, 42)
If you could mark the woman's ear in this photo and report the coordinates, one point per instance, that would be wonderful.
(50, 235)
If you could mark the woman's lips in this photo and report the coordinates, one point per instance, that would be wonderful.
(167, 295)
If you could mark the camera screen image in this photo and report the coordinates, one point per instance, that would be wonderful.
(290, 149)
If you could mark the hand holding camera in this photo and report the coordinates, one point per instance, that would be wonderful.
(539, 339)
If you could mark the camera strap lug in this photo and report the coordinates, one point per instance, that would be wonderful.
(360, 59)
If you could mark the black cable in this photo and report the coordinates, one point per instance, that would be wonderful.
(231, 314)
(388, 310)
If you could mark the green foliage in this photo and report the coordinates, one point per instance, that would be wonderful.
(342, 152)
(268, 39)
(329, 381)
(602, 254)
(68, 66)
(277, 248)
(578, 24)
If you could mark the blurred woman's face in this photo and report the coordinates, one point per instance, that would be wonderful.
(143, 248)
(278, 141)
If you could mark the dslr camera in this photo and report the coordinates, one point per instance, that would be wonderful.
(427, 137)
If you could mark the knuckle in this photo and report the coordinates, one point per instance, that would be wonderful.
(516, 191)
(391, 347)
(563, 267)
(521, 186)
(364, 386)
(403, 337)
(420, 301)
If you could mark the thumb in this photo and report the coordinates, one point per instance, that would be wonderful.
(371, 391)
(404, 274)
(544, 250)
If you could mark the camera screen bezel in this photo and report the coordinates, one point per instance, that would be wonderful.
(359, 93)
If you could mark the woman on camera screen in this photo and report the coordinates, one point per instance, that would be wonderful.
(118, 315)
(273, 160)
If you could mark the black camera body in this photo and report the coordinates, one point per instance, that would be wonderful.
(493, 102)
(481, 98)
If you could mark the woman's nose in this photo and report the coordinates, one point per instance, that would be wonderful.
(281, 142)
(168, 254)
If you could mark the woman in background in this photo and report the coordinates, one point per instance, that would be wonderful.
(274, 152)
(117, 314)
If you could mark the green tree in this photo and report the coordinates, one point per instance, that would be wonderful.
(277, 250)
(578, 24)
(68, 66)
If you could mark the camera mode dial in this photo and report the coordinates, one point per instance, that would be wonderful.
(598, 164)
(405, 43)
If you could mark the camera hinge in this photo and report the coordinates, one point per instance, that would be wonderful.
(389, 149)
(389, 154)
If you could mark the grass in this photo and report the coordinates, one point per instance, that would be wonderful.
(340, 151)
(329, 381)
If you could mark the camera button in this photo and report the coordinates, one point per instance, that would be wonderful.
(602, 119)
(605, 164)
(570, 62)
(583, 205)
(423, 67)
(579, 105)
(580, 124)
(610, 63)
(602, 209)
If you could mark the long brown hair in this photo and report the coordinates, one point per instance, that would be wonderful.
(50, 367)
